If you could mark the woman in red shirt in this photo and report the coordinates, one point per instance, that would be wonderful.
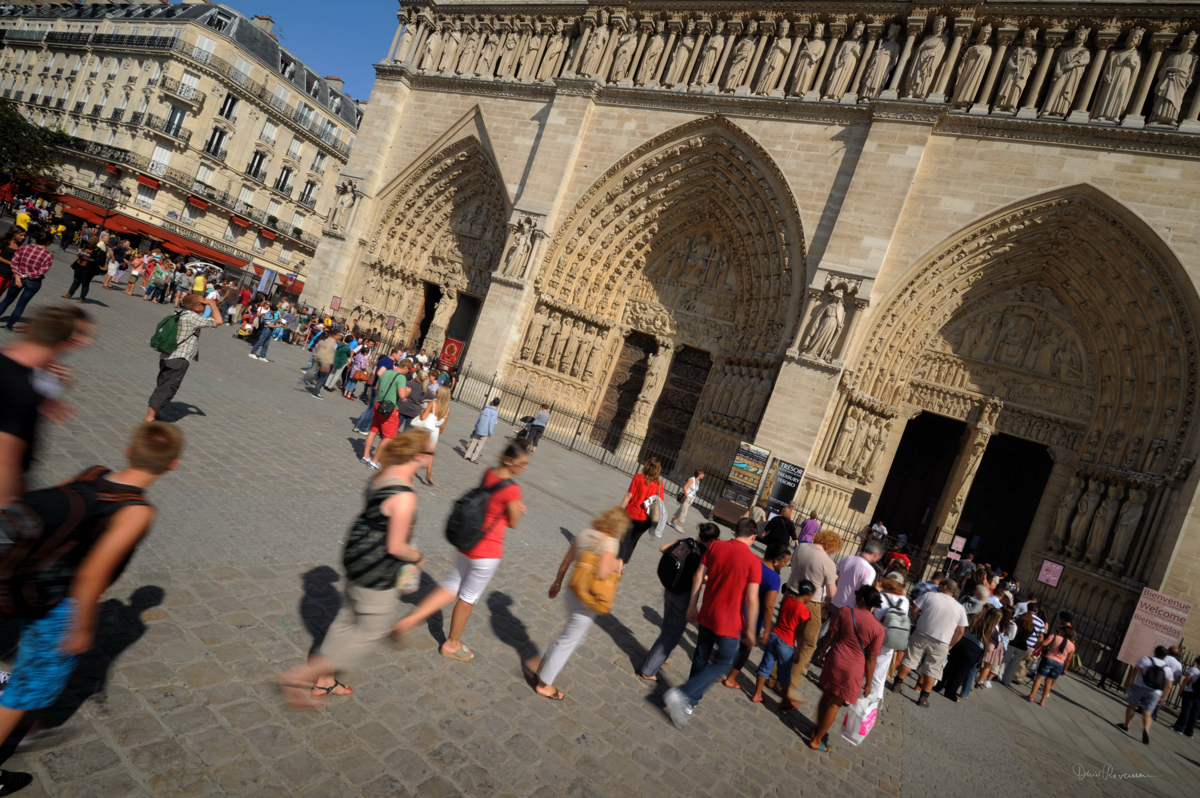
(644, 485)
(474, 568)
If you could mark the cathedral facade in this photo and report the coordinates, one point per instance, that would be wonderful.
(944, 258)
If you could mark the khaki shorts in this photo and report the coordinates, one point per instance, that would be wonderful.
(927, 655)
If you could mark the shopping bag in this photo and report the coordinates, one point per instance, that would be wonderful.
(860, 718)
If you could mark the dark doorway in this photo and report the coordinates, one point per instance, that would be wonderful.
(462, 323)
(676, 405)
(628, 377)
(433, 295)
(1004, 499)
(918, 475)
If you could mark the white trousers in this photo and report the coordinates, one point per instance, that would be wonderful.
(682, 510)
(579, 621)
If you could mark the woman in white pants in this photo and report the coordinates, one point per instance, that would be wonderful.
(690, 489)
(891, 590)
(603, 540)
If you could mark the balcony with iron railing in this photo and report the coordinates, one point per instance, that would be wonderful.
(308, 201)
(79, 104)
(117, 114)
(17, 95)
(257, 174)
(215, 151)
(157, 124)
(7, 94)
(97, 110)
(68, 39)
(183, 91)
(120, 41)
(34, 98)
(26, 35)
(46, 101)
(60, 103)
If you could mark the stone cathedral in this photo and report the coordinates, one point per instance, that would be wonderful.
(943, 257)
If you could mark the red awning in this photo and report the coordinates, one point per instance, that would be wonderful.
(148, 181)
(113, 169)
(88, 211)
(239, 221)
(8, 192)
(268, 233)
(199, 203)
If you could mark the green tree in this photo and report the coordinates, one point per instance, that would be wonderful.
(26, 148)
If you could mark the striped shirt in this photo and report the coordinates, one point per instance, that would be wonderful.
(1039, 626)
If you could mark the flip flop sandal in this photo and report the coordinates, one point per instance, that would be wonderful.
(336, 684)
(557, 695)
(462, 655)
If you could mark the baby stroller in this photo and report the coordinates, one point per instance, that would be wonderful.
(523, 431)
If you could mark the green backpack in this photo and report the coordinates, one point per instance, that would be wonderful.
(166, 334)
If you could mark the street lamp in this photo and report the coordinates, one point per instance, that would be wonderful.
(110, 191)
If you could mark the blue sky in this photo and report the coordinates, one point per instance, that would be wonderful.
(346, 43)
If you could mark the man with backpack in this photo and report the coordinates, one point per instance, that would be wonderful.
(174, 360)
(59, 561)
(1152, 679)
(679, 562)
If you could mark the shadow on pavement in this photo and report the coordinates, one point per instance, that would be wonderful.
(624, 638)
(320, 603)
(568, 534)
(509, 628)
(178, 411)
(435, 621)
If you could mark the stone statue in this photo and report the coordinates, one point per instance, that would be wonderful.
(518, 253)
(450, 44)
(433, 49)
(1120, 78)
(532, 50)
(880, 65)
(872, 464)
(825, 328)
(1106, 514)
(483, 65)
(552, 331)
(505, 66)
(1127, 521)
(560, 341)
(626, 44)
(762, 394)
(553, 49)
(775, 60)
(466, 61)
(870, 443)
(587, 336)
(709, 55)
(926, 60)
(654, 372)
(594, 52)
(1174, 77)
(845, 62)
(973, 70)
(1066, 362)
(654, 49)
(572, 333)
(1069, 71)
(595, 356)
(681, 56)
(339, 217)
(743, 54)
(1016, 72)
(809, 59)
(370, 288)
(1083, 517)
(845, 438)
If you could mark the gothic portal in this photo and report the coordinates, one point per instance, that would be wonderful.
(941, 259)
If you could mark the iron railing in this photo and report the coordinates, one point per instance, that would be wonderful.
(183, 91)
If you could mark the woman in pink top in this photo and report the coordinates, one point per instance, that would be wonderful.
(1057, 651)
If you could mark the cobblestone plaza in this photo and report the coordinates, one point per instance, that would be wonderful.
(240, 577)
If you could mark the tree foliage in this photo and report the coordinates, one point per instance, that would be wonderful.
(26, 148)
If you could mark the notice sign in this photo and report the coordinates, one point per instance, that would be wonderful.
(742, 484)
(782, 480)
(451, 351)
(956, 548)
(1157, 621)
(1050, 573)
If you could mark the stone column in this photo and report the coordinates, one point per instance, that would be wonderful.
(1134, 117)
(1004, 37)
(874, 31)
(730, 40)
(797, 45)
(836, 31)
(419, 31)
(958, 485)
(617, 26)
(673, 29)
(396, 40)
(1105, 39)
(915, 26)
(766, 30)
(1052, 40)
(526, 34)
(962, 30)
(639, 420)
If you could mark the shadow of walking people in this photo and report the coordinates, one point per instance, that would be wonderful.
(320, 603)
(509, 628)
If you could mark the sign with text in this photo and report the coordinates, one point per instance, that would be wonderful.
(783, 478)
(741, 486)
(1050, 573)
(1157, 621)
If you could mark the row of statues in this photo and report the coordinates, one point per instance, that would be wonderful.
(857, 62)
(570, 346)
(1088, 513)
(735, 396)
(861, 442)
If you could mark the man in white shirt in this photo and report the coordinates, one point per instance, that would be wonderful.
(941, 621)
(422, 358)
(1189, 711)
(1152, 679)
(1176, 669)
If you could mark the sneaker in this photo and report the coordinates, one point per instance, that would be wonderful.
(263, 359)
(318, 396)
(987, 685)
(360, 432)
(254, 356)
(678, 707)
(12, 780)
(366, 460)
(923, 701)
(373, 464)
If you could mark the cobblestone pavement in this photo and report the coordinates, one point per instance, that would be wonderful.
(239, 578)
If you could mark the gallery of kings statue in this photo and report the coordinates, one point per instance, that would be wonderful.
(943, 257)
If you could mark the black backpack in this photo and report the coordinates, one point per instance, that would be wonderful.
(678, 565)
(464, 527)
(44, 538)
(1155, 677)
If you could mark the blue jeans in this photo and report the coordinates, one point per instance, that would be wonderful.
(26, 291)
(364, 421)
(264, 340)
(1189, 713)
(675, 606)
(705, 672)
(779, 652)
(966, 691)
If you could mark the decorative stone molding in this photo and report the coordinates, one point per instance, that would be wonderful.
(906, 111)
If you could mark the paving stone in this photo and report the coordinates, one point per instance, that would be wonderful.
(79, 761)
(245, 714)
(157, 756)
(243, 776)
(132, 730)
(216, 745)
(189, 719)
(105, 785)
(358, 766)
(272, 742)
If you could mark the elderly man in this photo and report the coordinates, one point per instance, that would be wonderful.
(811, 561)
(941, 621)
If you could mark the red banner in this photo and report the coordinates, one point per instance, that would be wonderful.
(451, 352)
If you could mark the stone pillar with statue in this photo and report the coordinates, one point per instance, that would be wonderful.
(962, 475)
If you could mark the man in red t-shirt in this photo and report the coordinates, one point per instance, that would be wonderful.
(734, 573)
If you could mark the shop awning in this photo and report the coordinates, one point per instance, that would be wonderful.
(199, 203)
(268, 233)
(148, 181)
(88, 211)
(239, 221)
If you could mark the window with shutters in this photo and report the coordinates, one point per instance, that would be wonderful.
(319, 163)
(295, 147)
(268, 132)
(228, 106)
(146, 196)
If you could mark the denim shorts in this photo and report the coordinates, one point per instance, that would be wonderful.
(41, 671)
(1050, 669)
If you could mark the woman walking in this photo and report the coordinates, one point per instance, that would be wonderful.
(474, 568)
(850, 652)
(994, 649)
(1018, 647)
(358, 372)
(688, 495)
(433, 418)
(1057, 650)
(379, 545)
(891, 590)
(644, 485)
(602, 540)
(675, 601)
(965, 655)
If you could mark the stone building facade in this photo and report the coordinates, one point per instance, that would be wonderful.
(942, 257)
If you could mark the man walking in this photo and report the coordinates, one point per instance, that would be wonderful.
(270, 323)
(812, 562)
(173, 366)
(485, 425)
(29, 267)
(323, 362)
(941, 621)
(734, 574)
(855, 571)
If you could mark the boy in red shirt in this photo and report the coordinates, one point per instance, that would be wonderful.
(734, 573)
(781, 644)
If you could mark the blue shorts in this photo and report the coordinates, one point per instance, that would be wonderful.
(41, 671)
(1050, 669)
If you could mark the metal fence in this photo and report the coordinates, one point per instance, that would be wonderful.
(597, 438)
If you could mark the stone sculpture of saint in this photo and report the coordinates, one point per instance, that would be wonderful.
(809, 59)
(1120, 78)
(1174, 77)
(1083, 516)
(594, 358)
(927, 59)
(872, 463)
(518, 253)
(572, 333)
(553, 49)
(467, 60)
(1069, 71)
(845, 438)
(1127, 521)
(739, 61)
(532, 50)
(709, 55)
(880, 65)
(775, 60)
(845, 62)
(973, 70)
(552, 331)
(483, 65)
(450, 44)
(433, 48)
(681, 56)
(505, 66)
(825, 329)
(595, 51)
(1016, 72)
(626, 44)
(654, 49)
(1106, 514)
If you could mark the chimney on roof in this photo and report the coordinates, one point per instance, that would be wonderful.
(334, 82)
(263, 22)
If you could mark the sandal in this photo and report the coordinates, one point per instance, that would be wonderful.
(329, 690)
(462, 655)
(647, 678)
(557, 695)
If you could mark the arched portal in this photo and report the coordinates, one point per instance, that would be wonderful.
(670, 290)
(439, 234)
(1065, 321)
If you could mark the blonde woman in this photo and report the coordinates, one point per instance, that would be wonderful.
(433, 417)
(603, 540)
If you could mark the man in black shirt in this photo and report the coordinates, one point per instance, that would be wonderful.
(780, 531)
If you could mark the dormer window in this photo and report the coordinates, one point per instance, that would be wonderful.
(220, 20)
(311, 84)
(287, 67)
